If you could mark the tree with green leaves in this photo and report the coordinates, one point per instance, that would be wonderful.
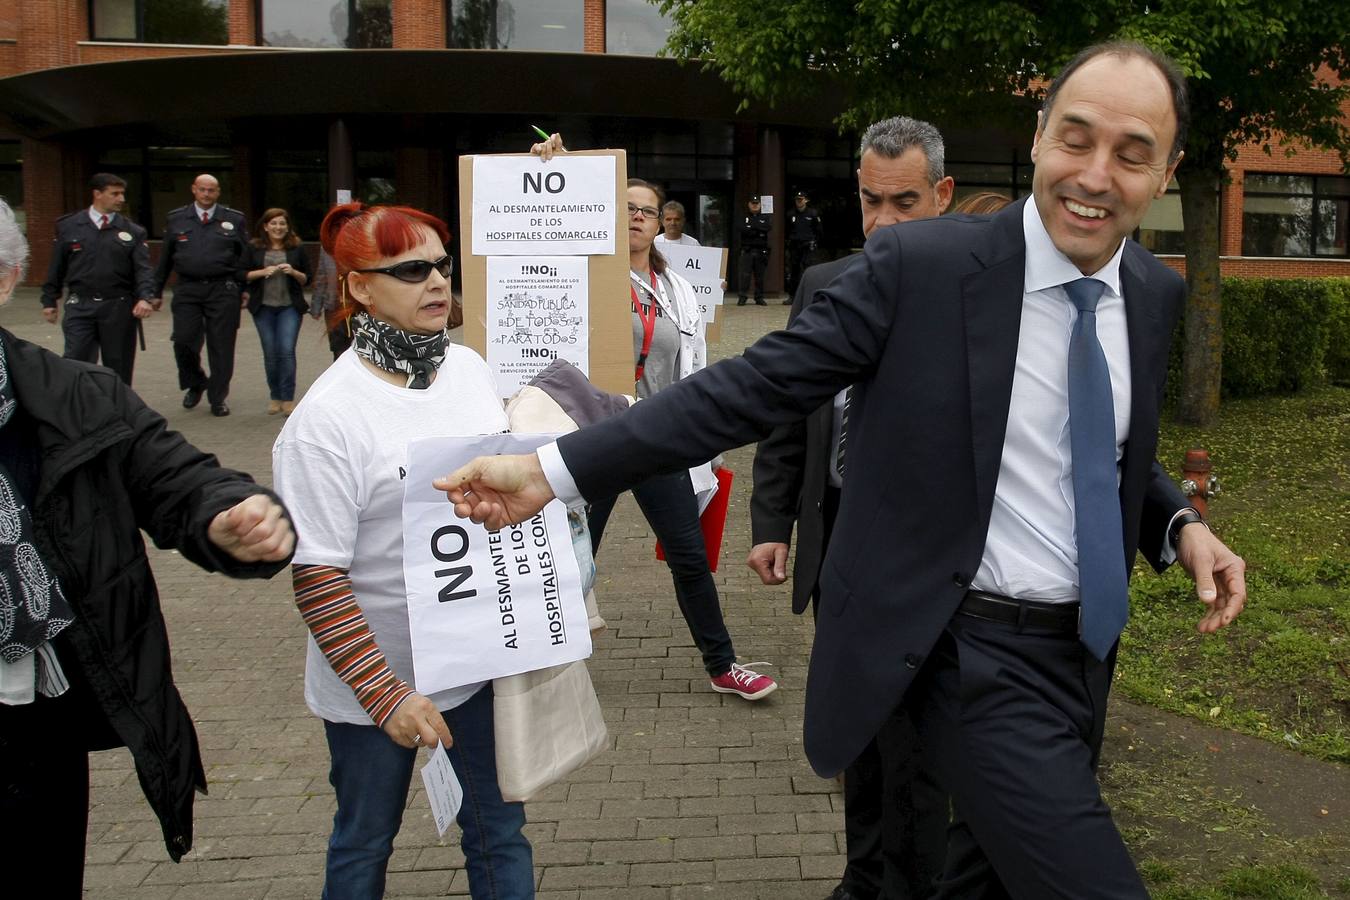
(1266, 73)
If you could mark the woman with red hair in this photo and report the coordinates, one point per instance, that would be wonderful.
(339, 463)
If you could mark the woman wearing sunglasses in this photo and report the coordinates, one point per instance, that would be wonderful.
(339, 462)
(276, 271)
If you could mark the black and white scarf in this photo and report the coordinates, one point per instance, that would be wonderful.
(416, 355)
(33, 610)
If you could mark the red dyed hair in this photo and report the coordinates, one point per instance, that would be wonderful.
(359, 236)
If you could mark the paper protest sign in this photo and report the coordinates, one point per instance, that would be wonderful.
(704, 268)
(483, 604)
(523, 206)
(538, 311)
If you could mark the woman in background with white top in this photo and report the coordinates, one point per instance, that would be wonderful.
(339, 463)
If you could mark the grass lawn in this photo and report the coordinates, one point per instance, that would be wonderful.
(1282, 671)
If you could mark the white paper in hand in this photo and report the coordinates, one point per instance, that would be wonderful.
(443, 790)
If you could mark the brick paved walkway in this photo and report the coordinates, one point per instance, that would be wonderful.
(700, 795)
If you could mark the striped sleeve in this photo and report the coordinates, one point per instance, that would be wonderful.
(324, 597)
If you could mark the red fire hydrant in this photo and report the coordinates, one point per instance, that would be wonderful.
(1198, 482)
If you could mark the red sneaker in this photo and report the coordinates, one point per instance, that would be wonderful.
(744, 682)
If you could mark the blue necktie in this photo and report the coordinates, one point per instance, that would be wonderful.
(1102, 579)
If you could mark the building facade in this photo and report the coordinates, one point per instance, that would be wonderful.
(289, 102)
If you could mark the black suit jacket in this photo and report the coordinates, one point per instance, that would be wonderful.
(791, 469)
(925, 325)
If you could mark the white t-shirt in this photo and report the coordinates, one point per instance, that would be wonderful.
(339, 464)
(684, 239)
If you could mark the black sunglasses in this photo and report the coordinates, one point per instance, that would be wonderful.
(415, 271)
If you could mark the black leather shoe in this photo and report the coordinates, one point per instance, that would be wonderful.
(787, 302)
(740, 302)
(760, 302)
(220, 410)
(192, 397)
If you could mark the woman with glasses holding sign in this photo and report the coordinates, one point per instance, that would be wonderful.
(339, 462)
(668, 344)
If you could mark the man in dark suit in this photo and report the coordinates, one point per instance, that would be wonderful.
(101, 257)
(204, 244)
(1002, 475)
(895, 817)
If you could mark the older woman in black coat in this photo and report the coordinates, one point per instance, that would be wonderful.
(85, 466)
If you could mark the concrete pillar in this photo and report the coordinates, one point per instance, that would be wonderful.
(773, 181)
(341, 159)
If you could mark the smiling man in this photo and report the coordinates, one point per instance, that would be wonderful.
(1002, 476)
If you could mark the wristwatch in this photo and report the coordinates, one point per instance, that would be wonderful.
(1183, 518)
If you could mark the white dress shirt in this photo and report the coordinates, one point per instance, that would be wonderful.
(96, 217)
(1031, 552)
(209, 213)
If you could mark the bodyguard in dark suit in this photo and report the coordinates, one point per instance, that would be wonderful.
(204, 244)
(1001, 476)
(755, 229)
(101, 257)
(895, 816)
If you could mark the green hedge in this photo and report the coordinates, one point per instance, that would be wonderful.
(1279, 335)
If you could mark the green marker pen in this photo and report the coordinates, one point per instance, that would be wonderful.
(541, 132)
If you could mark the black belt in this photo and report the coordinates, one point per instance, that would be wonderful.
(205, 280)
(1061, 617)
(76, 296)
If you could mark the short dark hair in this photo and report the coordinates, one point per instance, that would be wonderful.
(104, 180)
(1170, 71)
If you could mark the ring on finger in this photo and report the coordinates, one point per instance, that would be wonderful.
(417, 739)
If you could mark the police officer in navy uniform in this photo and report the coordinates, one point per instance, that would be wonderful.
(805, 232)
(101, 257)
(754, 251)
(204, 244)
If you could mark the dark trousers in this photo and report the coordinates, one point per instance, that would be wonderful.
(44, 781)
(895, 812)
(206, 311)
(800, 254)
(671, 509)
(754, 263)
(1011, 721)
(91, 326)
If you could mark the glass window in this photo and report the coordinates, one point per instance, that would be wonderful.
(375, 179)
(516, 24)
(354, 24)
(1161, 230)
(11, 179)
(160, 21)
(1295, 215)
(634, 27)
(297, 181)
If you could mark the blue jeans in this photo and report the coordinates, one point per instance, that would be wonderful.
(278, 329)
(371, 775)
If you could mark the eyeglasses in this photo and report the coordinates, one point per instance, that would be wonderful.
(648, 212)
(415, 271)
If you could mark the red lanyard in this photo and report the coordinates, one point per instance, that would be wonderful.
(648, 327)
